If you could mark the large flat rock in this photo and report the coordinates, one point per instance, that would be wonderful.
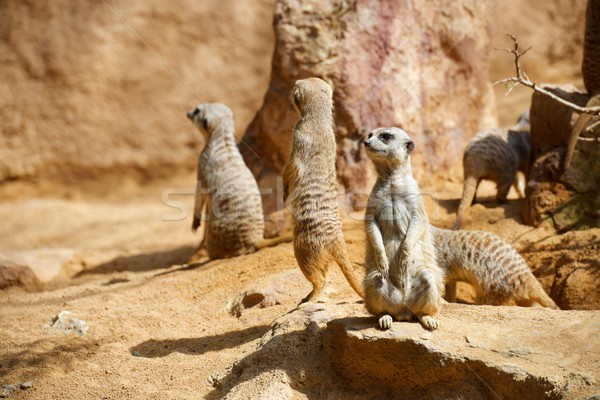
(479, 352)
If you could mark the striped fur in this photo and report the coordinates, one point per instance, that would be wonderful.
(590, 69)
(497, 155)
(234, 221)
(493, 267)
(310, 188)
(403, 278)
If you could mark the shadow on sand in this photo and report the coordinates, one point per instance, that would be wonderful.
(143, 262)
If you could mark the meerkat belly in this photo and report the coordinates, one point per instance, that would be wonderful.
(394, 222)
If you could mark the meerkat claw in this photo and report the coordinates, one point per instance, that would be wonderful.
(429, 323)
(385, 322)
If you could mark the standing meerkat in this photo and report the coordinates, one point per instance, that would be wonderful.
(493, 267)
(234, 215)
(403, 277)
(498, 155)
(310, 188)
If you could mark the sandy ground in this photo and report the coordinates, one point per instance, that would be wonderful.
(157, 329)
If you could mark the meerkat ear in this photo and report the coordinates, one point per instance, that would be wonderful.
(296, 98)
(204, 122)
(410, 146)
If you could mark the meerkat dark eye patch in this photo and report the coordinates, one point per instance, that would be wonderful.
(204, 123)
(386, 137)
(410, 146)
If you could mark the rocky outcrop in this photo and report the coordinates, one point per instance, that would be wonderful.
(390, 63)
(13, 274)
(565, 199)
(568, 267)
(550, 121)
(479, 352)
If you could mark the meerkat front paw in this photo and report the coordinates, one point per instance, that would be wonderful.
(385, 322)
(428, 322)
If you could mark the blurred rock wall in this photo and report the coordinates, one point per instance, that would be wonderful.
(420, 66)
(95, 86)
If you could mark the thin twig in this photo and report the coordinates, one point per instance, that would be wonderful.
(523, 79)
(592, 126)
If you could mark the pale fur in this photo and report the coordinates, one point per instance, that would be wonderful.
(234, 219)
(403, 277)
(496, 154)
(310, 188)
(493, 267)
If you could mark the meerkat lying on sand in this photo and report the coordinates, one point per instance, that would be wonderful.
(310, 188)
(493, 267)
(403, 277)
(496, 154)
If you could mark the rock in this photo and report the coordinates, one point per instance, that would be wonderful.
(390, 63)
(64, 321)
(564, 200)
(15, 274)
(479, 352)
(276, 291)
(568, 266)
(9, 388)
(288, 358)
(551, 122)
(46, 263)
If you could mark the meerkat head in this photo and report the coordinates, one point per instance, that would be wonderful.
(389, 145)
(312, 95)
(208, 116)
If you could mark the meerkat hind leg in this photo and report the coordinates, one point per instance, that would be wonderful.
(450, 293)
(519, 185)
(425, 302)
(314, 269)
(503, 189)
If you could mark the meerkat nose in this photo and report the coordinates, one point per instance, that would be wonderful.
(192, 113)
(366, 142)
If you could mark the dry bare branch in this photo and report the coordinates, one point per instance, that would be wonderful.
(523, 79)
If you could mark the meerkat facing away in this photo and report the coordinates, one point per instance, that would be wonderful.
(225, 187)
(403, 277)
(310, 188)
(498, 155)
(493, 267)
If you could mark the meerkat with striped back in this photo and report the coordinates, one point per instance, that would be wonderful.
(402, 274)
(225, 187)
(493, 267)
(496, 154)
(310, 188)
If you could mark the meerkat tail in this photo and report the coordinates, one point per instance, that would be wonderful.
(274, 241)
(578, 128)
(450, 292)
(541, 297)
(342, 260)
(469, 191)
